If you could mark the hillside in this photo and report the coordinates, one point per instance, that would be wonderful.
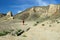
(41, 23)
(32, 13)
(39, 12)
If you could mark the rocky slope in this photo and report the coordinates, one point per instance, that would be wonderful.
(39, 11)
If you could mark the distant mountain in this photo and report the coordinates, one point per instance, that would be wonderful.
(7, 16)
(2, 15)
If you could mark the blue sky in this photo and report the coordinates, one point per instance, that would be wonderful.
(19, 5)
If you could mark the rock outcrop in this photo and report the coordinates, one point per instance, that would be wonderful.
(9, 15)
(53, 9)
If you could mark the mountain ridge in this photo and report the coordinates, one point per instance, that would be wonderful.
(41, 11)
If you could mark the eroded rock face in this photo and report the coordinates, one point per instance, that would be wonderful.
(9, 15)
(53, 9)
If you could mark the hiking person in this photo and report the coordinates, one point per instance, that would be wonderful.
(23, 22)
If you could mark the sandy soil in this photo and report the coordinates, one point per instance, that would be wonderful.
(50, 31)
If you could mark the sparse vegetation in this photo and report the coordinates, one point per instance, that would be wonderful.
(24, 36)
(28, 29)
(4, 33)
(35, 24)
(18, 31)
(57, 21)
(49, 25)
(43, 24)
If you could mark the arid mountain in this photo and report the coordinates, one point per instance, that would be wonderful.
(37, 12)
(32, 13)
